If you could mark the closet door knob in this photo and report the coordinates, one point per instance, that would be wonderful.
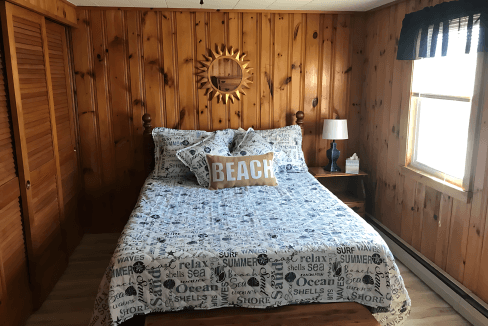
(27, 184)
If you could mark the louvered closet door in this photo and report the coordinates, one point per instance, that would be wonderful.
(65, 127)
(15, 296)
(34, 123)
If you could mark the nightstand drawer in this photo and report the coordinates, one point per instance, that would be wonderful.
(358, 207)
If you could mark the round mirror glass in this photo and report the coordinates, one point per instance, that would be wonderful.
(225, 75)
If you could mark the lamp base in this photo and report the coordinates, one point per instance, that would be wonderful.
(333, 155)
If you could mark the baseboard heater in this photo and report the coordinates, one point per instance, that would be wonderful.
(465, 302)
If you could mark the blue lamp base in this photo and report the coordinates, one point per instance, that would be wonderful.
(333, 155)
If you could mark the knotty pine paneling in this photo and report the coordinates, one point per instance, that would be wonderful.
(449, 232)
(129, 62)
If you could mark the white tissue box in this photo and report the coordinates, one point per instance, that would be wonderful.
(352, 166)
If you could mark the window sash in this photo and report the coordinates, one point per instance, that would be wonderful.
(416, 100)
(443, 97)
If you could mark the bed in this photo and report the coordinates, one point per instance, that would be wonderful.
(188, 248)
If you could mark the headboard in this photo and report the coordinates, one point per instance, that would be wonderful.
(148, 141)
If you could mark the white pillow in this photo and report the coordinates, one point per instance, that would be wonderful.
(194, 157)
(238, 136)
(254, 144)
(168, 141)
(288, 140)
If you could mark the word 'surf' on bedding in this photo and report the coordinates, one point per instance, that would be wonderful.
(187, 247)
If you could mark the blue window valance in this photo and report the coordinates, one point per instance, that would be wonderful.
(426, 32)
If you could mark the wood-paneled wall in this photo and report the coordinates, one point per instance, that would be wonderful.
(449, 232)
(128, 62)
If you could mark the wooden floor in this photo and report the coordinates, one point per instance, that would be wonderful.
(71, 301)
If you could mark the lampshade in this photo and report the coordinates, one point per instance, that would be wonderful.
(335, 129)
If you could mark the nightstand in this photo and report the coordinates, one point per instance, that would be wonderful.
(349, 188)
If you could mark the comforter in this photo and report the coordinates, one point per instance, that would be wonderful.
(187, 247)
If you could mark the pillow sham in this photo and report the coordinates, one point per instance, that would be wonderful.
(194, 157)
(240, 171)
(287, 140)
(238, 136)
(229, 138)
(253, 144)
(166, 143)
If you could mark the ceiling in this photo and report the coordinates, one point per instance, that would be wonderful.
(323, 5)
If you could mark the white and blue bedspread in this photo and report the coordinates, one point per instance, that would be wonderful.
(186, 247)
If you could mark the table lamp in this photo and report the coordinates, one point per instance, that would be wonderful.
(334, 129)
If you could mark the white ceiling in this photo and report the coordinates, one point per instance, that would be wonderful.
(324, 5)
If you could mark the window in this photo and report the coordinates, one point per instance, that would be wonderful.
(443, 115)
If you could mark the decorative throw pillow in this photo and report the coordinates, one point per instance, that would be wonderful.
(253, 144)
(194, 156)
(238, 136)
(288, 140)
(241, 171)
(167, 142)
(229, 138)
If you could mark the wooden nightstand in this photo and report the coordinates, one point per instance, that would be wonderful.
(349, 188)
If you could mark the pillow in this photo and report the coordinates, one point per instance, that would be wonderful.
(168, 141)
(288, 140)
(241, 171)
(229, 137)
(194, 156)
(238, 136)
(253, 144)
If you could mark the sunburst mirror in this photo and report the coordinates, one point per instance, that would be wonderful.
(224, 74)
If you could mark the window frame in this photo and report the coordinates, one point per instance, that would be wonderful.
(457, 188)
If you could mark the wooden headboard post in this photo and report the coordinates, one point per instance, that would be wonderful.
(300, 117)
(148, 143)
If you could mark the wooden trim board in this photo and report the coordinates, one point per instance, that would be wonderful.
(221, 10)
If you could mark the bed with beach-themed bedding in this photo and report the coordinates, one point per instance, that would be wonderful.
(186, 247)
